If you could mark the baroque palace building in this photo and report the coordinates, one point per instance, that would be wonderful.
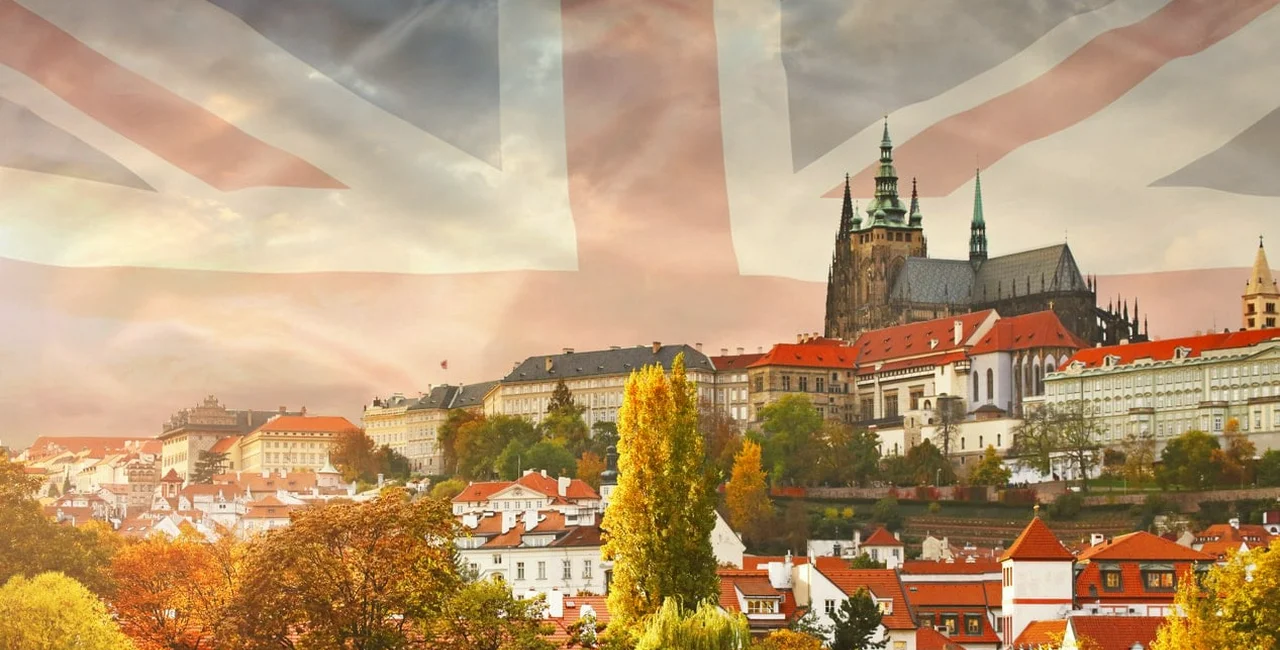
(881, 273)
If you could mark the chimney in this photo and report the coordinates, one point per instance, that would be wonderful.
(1097, 538)
(568, 350)
(530, 520)
(282, 410)
(657, 345)
(527, 472)
(759, 349)
(697, 346)
(959, 332)
(470, 520)
(615, 347)
(857, 539)
(508, 520)
(799, 338)
(562, 485)
(266, 473)
(550, 364)
(283, 474)
(898, 535)
(724, 352)
(304, 409)
(741, 350)
(555, 603)
(1235, 522)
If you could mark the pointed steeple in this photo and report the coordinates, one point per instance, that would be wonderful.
(916, 219)
(846, 211)
(978, 226)
(886, 199)
(1260, 280)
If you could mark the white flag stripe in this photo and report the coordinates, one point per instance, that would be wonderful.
(770, 204)
(465, 216)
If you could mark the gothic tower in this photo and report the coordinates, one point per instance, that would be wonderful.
(1261, 296)
(978, 226)
(840, 273)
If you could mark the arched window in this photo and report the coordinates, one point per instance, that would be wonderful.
(991, 385)
(927, 405)
(975, 386)
(1039, 380)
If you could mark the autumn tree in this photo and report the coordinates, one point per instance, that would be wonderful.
(1235, 605)
(54, 612)
(208, 465)
(856, 623)
(1139, 457)
(30, 543)
(790, 427)
(721, 437)
(348, 575)
(447, 436)
(1189, 461)
(658, 524)
(746, 495)
(1235, 459)
(353, 453)
(990, 470)
(849, 455)
(705, 628)
(175, 594)
(787, 640)
(589, 468)
(484, 615)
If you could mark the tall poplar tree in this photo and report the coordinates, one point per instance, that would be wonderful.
(746, 495)
(658, 524)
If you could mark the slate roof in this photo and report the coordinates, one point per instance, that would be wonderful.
(440, 397)
(472, 394)
(1049, 269)
(605, 362)
(934, 281)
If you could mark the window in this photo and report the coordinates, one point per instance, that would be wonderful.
(869, 408)
(997, 440)
(542, 570)
(804, 384)
(759, 383)
(951, 622)
(817, 384)
(885, 605)
(586, 569)
(829, 607)
(566, 570)
(497, 558)
(972, 624)
(916, 395)
(760, 606)
(1111, 580)
(891, 404)
(975, 385)
(991, 385)
(786, 382)
(1158, 580)
(519, 570)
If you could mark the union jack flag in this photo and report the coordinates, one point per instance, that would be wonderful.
(310, 200)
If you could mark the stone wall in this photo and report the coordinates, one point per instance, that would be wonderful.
(947, 493)
(1187, 501)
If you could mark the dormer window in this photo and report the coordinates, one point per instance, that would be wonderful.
(1181, 352)
(885, 605)
(1111, 360)
(761, 606)
(1111, 579)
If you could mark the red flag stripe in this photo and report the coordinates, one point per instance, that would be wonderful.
(173, 128)
(1091, 78)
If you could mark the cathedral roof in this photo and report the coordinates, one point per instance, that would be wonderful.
(932, 281)
(1048, 269)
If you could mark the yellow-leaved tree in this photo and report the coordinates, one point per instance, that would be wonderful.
(1236, 605)
(659, 520)
(54, 612)
(746, 495)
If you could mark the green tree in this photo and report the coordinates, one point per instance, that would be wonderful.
(1035, 439)
(603, 436)
(1139, 457)
(209, 465)
(447, 436)
(481, 442)
(790, 426)
(928, 465)
(746, 494)
(888, 513)
(1269, 468)
(545, 455)
(1189, 461)
(990, 470)
(54, 612)
(706, 628)
(446, 490)
(810, 625)
(485, 616)
(857, 622)
(562, 400)
(850, 456)
(658, 524)
(348, 575)
(864, 561)
(897, 471)
(1235, 605)
(391, 464)
(566, 429)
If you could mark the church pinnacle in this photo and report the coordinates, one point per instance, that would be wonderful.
(886, 198)
(916, 219)
(848, 218)
(978, 227)
(1261, 281)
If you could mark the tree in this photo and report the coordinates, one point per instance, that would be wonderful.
(391, 464)
(603, 436)
(485, 616)
(721, 437)
(706, 628)
(887, 512)
(562, 400)
(787, 640)
(553, 458)
(790, 426)
(1035, 439)
(589, 468)
(349, 575)
(175, 594)
(209, 465)
(1269, 468)
(990, 470)
(480, 443)
(1139, 457)
(567, 430)
(1235, 460)
(928, 465)
(849, 455)
(1189, 461)
(30, 543)
(1077, 438)
(354, 454)
(857, 622)
(864, 561)
(447, 436)
(948, 413)
(746, 494)
(1235, 605)
(54, 612)
(658, 524)
(897, 471)
(811, 626)
(446, 490)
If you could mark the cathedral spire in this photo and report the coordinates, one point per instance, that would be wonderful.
(1260, 280)
(886, 198)
(916, 219)
(846, 212)
(978, 227)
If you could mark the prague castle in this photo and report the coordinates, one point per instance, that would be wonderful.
(881, 273)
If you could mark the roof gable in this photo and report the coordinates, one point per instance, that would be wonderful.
(923, 339)
(1042, 329)
(882, 537)
(1037, 542)
(808, 355)
(882, 583)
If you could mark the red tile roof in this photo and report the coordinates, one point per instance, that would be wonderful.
(97, 446)
(1116, 632)
(734, 361)
(1165, 350)
(308, 424)
(1041, 329)
(932, 567)
(1089, 586)
(1039, 633)
(823, 354)
(547, 486)
(224, 445)
(913, 339)
(995, 592)
(884, 583)
(760, 561)
(939, 594)
(1037, 542)
(928, 638)
(882, 537)
(1142, 546)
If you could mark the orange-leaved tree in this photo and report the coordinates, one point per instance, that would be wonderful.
(746, 495)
